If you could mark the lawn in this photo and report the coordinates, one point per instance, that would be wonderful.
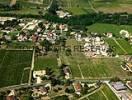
(104, 93)
(93, 68)
(50, 61)
(104, 28)
(12, 65)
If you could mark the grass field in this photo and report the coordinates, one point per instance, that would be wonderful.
(104, 28)
(104, 93)
(49, 61)
(12, 65)
(93, 68)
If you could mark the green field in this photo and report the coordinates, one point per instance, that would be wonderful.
(49, 61)
(104, 93)
(14, 64)
(120, 46)
(93, 68)
(104, 28)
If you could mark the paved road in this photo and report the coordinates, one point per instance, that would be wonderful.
(32, 67)
(22, 86)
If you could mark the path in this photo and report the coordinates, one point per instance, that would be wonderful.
(22, 86)
(104, 95)
(80, 71)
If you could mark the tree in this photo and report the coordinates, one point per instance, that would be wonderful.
(45, 43)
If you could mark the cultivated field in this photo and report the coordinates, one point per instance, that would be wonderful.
(104, 93)
(93, 68)
(14, 67)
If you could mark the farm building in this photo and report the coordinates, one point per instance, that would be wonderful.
(118, 86)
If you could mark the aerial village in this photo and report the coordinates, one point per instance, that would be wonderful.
(66, 63)
(35, 31)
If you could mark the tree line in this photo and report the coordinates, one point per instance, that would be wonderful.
(82, 20)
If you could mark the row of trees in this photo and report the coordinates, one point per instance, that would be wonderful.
(88, 19)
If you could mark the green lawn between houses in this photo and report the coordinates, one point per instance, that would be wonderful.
(12, 64)
(93, 68)
(104, 93)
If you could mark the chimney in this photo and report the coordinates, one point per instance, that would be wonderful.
(12, 3)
